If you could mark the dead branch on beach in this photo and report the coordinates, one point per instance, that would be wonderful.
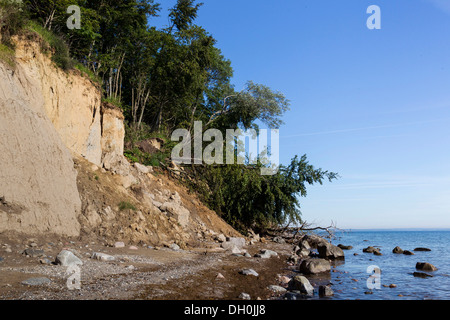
(292, 233)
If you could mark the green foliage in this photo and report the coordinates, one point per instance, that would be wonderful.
(125, 205)
(12, 20)
(87, 72)
(247, 199)
(148, 159)
(166, 79)
(55, 44)
(114, 101)
(7, 55)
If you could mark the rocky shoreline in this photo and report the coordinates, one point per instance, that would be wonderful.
(228, 268)
(40, 268)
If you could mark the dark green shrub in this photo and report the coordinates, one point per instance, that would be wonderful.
(12, 20)
(125, 205)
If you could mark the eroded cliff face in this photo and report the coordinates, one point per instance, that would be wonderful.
(38, 188)
(62, 169)
(73, 104)
(48, 116)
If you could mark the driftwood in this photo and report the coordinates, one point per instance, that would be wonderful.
(292, 233)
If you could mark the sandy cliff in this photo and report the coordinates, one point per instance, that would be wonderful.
(62, 169)
(37, 177)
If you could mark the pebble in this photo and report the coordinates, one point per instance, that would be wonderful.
(132, 248)
(36, 281)
(102, 256)
(119, 244)
(325, 291)
(249, 272)
(33, 252)
(244, 296)
(284, 279)
(220, 276)
(266, 254)
(392, 286)
(45, 261)
(276, 289)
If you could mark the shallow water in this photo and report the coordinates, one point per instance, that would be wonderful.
(395, 269)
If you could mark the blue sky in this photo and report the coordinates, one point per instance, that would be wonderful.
(372, 105)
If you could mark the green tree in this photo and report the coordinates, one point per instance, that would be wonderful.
(247, 199)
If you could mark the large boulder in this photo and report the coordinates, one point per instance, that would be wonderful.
(312, 241)
(344, 247)
(329, 251)
(233, 242)
(425, 266)
(314, 266)
(373, 250)
(174, 208)
(397, 250)
(302, 284)
(67, 258)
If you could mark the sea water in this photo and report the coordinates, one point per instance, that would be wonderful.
(352, 279)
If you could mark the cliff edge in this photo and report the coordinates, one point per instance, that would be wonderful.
(62, 166)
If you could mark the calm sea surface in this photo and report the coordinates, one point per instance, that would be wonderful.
(350, 279)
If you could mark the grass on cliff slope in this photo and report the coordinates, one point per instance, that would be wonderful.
(7, 55)
(60, 51)
(54, 44)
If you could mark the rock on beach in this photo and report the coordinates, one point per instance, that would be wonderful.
(249, 272)
(67, 258)
(397, 250)
(325, 291)
(314, 266)
(36, 281)
(425, 266)
(102, 256)
(329, 251)
(266, 254)
(302, 283)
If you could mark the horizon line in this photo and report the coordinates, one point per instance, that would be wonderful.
(398, 229)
